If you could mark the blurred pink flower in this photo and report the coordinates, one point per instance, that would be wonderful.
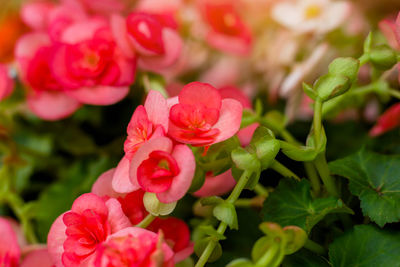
(200, 117)
(151, 37)
(6, 83)
(9, 247)
(90, 66)
(45, 97)
(162, 168)
(227, 31)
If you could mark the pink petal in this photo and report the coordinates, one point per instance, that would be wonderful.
(6, 83)
(157, 109)
(56, 239)
(29, 43)
(173, 47)
(99, 95)
(196, 93)
(120, 181)
(36, 14)
(172, 101)
(246, 134)
(180, 183)
(89, 201)
(52, 105)
(159, 143)
(102, 187)
(140, 232)
(234, 45)
(38, 257)
(216, 185)
(127, 68)
(184, 253)
(116, 216)
(229, 119)
(388, 28)
(82, 30)
(235, 93)
(119, 30)
(9, 242)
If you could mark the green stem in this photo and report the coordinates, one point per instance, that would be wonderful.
(146, 221)
(314, 247)
(16, 204)
(394, 93)
(268, 257)
(222, 226)
(284, 171)
(320, 160)
(363, 59)
(313, 177)
(261, 190)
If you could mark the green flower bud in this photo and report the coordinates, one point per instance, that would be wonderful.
(345, 66)
(332, 85)
(155, 207)
(383, 57)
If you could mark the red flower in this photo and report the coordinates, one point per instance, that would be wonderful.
(389, 120)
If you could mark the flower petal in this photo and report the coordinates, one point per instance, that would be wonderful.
(89, 201)
(102, 187)
(229, 119)
(157, 109)
(99, 95)
(116, 216)
(52, 105)
(180, 183)
(56, 239)
(121, 182)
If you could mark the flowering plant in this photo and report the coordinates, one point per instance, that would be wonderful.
(198, 133)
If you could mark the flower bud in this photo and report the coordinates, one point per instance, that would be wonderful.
(383, 57)
(330, 86)
(155, 207)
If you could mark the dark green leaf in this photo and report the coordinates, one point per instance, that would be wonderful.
(291, 204)
(366, 246)
(304, 258)
(375, 179)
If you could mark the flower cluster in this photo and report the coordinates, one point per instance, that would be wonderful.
(100, 230)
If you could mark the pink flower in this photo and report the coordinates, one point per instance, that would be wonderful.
(389, 120)
(9, 248)
(37, 257)
(216, 185)
(200, 117)
(134, 246)
(176, 234)
(162, 168)
(131, 203)
(227, 31)
(75, 235)
(104, 7)
(89, 65)
(390, 28)
(150, 36)
(6, 83)
(148, 121)
(46, 97)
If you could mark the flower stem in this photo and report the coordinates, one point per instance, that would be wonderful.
(261, 190)
(222, 226)
(146, 221)
(313, 176)
(284, 171)
(320, 161)
(314, 247)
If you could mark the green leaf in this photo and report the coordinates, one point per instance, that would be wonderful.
(374, 178)
(226, 213)
(309, 91)
(213, 200)
(366, 246)
(304, 258)
(291, 204)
